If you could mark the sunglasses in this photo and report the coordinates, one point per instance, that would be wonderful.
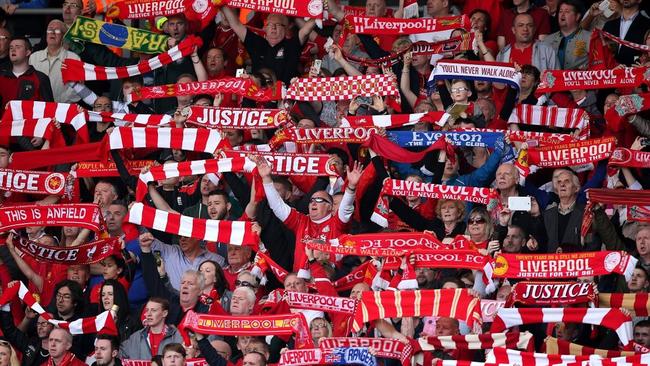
(478, 220)
(244, 283)
(319, 200)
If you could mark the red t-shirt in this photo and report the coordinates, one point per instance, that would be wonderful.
(154, 341)
(306, 229)
(540, 18)
(522, 57)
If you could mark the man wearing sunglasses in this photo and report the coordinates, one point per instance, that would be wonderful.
(321, 223)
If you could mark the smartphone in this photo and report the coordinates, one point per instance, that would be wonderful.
(519, 203)
(156, 254)
(317, 65)
(604, 7)
(239, 73)
(328, 44)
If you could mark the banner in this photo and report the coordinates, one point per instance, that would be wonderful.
(85, 215)
(325, 135)
(456, 138)
(244, 87)
(140, 9)
(466, 259)
(551, 293)
(624, 157)
(239, 118)
(328, 304)
(292, 8)
(33, 182)
(342, 87)
(380, 244)
(392, 26)
(565, 265)
(116, 35)
(90, 169)
(566, 80)
(283, 163)
(496, 72)
(480, 195)
(571, 154)
(82, 254)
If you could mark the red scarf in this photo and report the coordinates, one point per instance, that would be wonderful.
(571, 154)
(229, 232)
(295, 8)
(551, 293)
(612, 196)
(192, 139)
(530, 137)
(285, 324)
(240, 118)
(392, 26)
(325, 135)
(452, 303)
(384, 347)
(98, 169)
(626, 106)
(89, 253)
(565, 80)
(244, 87)
(610, 318)
(623, 157)
(621, 41)
(32, 182)
(357, 275)
(380, 244)
(446, 258)
(138, 9)
(637, 303)
(69, 154)
(315, 165)
(329, 304)
(514, 340)
(565, 265)
(567, 118)
(76, 70)
(394, 120)
(389, 150)
(85, 215)
(554, 346)
(342, 88)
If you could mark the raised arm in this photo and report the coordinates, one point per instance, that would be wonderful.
(305, 30)
(239, 29)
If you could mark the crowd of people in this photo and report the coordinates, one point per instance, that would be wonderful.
(393, 205)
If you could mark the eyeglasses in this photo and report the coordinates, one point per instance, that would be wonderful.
(319, 200)
(63, 296)
(477, 220)
(459, 89)
(244, 283)
(71, 5)
(42, 324)
(54, 31)
(275, 25)
(318, 326)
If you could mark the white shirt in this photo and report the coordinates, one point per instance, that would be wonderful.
(51, 66)
(625, 25)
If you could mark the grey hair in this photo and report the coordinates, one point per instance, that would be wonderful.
(199, 277)
(250, 294)
(574, 178)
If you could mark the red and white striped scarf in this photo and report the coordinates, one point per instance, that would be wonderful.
(189, 168)
(454, 303)
(395, 120)
(610, 318)
(501, 355)
(554, 346)
(75, 70)
(567, 118)
(103, 322)
(637, 303)
(393, 26)
(515, 340)
(39, 127)
(139, 119)
(21, 109)
(191, 139)
(222, 231)
(244, 118)
(342, 88)
(614, 197)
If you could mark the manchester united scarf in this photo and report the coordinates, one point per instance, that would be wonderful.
(244, 87)
(292, 8)
(452, 303)
(513, 340)
(612, 196)
(102, 322)
(190, 139)
(610, 318)
(91, 169)
(567, 118)
(82, 254)
(551, 293)
(380, 244)
(393, 26)
(342, 88)
(285, 324)
(85, 215)
(496, 72)
(228, 232)
(239, 118)
(75, 70)
(334, 356)
(189, 168)
(623, 157)
(637, 303)
(554, 346)
(33, 182)
(565, 80)
(116, 35)
(394, 120)
(329, 304)
(571, 154)
(384, 347)
(565, 265)
(139, 9)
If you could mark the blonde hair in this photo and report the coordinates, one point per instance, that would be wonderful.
(13, 358)
(460, 206)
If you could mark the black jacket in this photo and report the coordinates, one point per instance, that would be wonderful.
(33, 353)
(635, 34)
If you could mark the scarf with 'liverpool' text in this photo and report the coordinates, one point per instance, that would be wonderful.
(566, 80)
(380, 244)
(393, 26)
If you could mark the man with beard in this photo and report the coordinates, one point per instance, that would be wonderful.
(426, 277)
(150, 340)
(107, 348)
(35, 349)
(631, 26)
